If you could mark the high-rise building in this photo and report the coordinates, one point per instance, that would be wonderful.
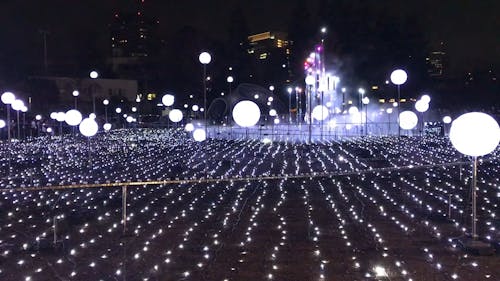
(436, 62)
(271, 52)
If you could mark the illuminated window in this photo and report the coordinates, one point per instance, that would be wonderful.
(263, 56)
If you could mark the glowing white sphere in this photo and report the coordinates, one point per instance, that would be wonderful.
(53, 115)
(426, 98)
(130, 119)
(76, 93)
(106, 126)
(475, 134)
(399, 77)
(353, 110)
(8, 98)
(175, 115)
(408, 120)
(320, 112)
(168, 100)
(329, 104)
(389, 110)
(276, 121)
(94, 74)
(447, 119)
(118, 110)
(38, 117)
(24, 109)
(73, 117)
(2, 124)
(195, 108)
(17, 105)
(366, 100)
(105, 102)
(332, 123)
(272, 112)
(310, 80)
(88, 127)
(421, 106)
(61, 116)
(271, 88)
(395, 104)
(199, 135)
(49, 130)
(205, 58)
(230, 79)
(189, 127)
(92, 116)
(270, 99)
(134, 109)
(246, 113)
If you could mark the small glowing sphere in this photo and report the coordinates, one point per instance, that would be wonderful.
(408, 120)
(105, 102)
(230, 79)
(353, 110)
(24, 109)
(205, 58)
(53, 115)
(399, 77)
(168, 100)
(106, 127)
(475, 134)
(8, 98)
(38, 117)
(256, 96)
(92, 116)
(389, 110)
(270, 99)
(246, 113)
(447, 119)
(73, 117)
(271, 88)
(276, 121)
(134, 109)
(2, 124)
(310, 80)
(426, 98)
(94, 74)
(76, 93)
(272, 112)
(175, 115)
(130, 119)
(329, 104)
(320, 112)
(366, 100)
(332, 123)
(88, 127)
(195, 108)
(199, 135)
(61, 116)
(17, 105)
(421, 106)
(189, 127)
(118, 110)
(49, 130)
(395, 104)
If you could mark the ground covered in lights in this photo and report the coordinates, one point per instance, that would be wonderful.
(371, 208)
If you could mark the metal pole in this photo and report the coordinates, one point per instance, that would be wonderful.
(205, 97)
(124, 208)
(449, 206)
(310, 113)
(8, 122)
(55, 229)
(24, 125)
(366, 119)
(18, 128)
(474, 190)
(399, 105)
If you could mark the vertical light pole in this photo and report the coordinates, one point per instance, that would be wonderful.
(205, 59)
(93, 75)
(105, 103)
(361, 91)
(343, 90)
(24, 109)
(76, 94)
(310, 81)
(289, 90)
(17, 105)
(297, 91)
(229, 80)
(366, 101)
(8, 98)
(389, 112)
(399, 77)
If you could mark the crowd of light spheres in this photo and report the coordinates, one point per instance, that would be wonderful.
(364, 208)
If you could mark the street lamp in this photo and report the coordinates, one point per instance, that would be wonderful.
(407, 120)
(229, 80)
(205, 58)
(8, 98)
(310, 81)
(422, 106)
(289, 90)
(94, 75)
(106, 103)
(17, 105)
(366, 101)
(389, 112)
(475, 134)
(76, 94)
(399, 77)
(88, 127)
(446, 120)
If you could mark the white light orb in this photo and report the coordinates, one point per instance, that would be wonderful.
(320, 112)
(256, 96)
(271, 88)
(130, 119)
(189, 127)
(205, 58)
(17, 105)
(88, 127)
(2, 124)
(447, 119)
(49, 130)
(76, 93)
(408, 120)
(475, 134)
(8, 98)
(389, 110)
(421, 106)
(329, 104)
(168, 100)
(365, 100)
(106, 126)
(332, 123)
(199, 135)
(94, 74)
(310, 80)
(134, 109)
(273, 112)
(202, 109)
(246, 113)
(270, 99)
(125, 115)
(353, 110)
(195, 107)
(24, 109)
(73, 117)
(175, 115)
(61, 116)
(38, 117)
(92, 116)
(105, 102)
(276, 121)
(395, 104)
(53, 115)
(118, 110)
(399, 77)
(230, 79)
(426, 98)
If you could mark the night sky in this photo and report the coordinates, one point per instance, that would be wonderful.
(470, 29)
